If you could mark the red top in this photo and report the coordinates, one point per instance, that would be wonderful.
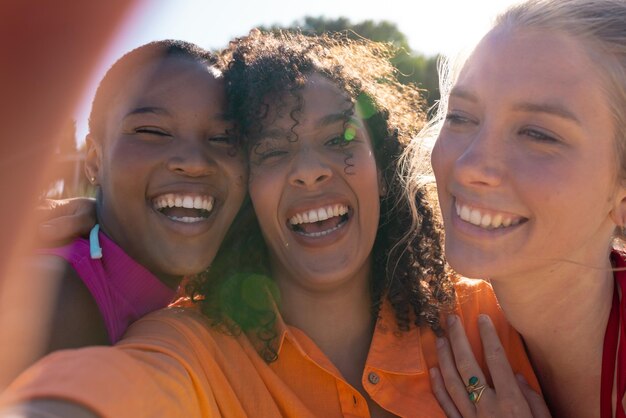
(614, 334)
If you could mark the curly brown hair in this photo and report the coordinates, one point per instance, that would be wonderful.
(409, 267)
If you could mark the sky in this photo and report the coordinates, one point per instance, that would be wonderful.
(431, 26)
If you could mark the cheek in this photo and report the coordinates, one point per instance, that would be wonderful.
(131, 158)
(441, 158)
(264, 188)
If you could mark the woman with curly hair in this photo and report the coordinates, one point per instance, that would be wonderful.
(349, 322)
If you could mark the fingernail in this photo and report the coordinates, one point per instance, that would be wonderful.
(440, 342)
(451, 320)
(483, 319)
(521, 378)
(433, 372)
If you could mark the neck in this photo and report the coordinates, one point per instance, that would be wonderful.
(169, 280)
(562, 315)
(338, 320)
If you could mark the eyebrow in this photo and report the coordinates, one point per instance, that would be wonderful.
(338, 117)
(161, 111)
(554, 109)
(332, 118)
(463, 94)
(147, 110)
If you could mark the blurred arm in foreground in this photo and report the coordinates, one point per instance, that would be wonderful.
(48, 50)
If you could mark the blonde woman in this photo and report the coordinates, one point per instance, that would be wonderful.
(531, 173)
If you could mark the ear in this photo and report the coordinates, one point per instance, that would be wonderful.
(93, 159)
(618, 213)
(382, 184)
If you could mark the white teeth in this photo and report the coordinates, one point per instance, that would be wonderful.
(184, 201)
(487, 221)
(186, 219)
(320, 214)
(475, 217)
(465, 213)
(321, 233)
(497, 221)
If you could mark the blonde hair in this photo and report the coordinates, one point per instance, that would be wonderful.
(600, 25)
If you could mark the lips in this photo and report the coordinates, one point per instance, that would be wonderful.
(321, 221)
(487, 219)
(185, 208)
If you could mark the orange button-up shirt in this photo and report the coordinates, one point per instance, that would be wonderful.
(173, 364)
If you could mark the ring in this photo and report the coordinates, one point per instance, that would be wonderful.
(474, 389)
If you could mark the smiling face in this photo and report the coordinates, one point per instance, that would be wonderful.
(315, 191)
(170, 180)
(526, 162)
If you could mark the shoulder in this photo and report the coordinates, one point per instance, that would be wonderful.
(45, 307)
(75, 318)
(185, 333)
(474, 291)
(475, 297)
(618, 257)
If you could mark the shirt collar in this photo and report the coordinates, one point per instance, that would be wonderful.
(391, 350)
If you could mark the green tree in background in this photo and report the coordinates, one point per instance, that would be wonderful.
(413, 67)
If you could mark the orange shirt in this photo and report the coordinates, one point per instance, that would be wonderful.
(173, 364)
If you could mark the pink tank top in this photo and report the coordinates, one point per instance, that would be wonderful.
(123, 289)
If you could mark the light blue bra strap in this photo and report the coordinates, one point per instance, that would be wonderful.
(94, 243)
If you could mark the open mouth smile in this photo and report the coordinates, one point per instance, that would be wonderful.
(319, 222)
(487, 219)
(184, 208)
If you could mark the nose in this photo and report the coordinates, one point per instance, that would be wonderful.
(309, 169)
(482, 161)
(192, 159)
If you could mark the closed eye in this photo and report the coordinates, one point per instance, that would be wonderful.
(151, 130)
(268, 149)
(223, 139)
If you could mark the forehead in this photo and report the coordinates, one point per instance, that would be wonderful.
(169, 82)
(534, 62)
(524, 68)
(318, 97)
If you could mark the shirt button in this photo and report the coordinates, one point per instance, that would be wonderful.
(373, 378)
